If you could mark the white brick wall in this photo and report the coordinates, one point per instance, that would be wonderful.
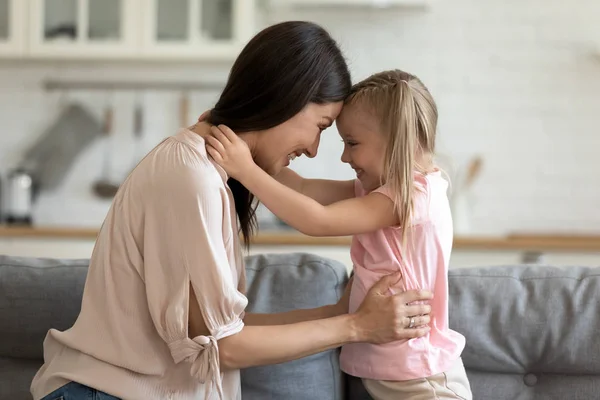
(516, 82)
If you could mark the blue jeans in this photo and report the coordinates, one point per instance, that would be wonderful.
(76, 391)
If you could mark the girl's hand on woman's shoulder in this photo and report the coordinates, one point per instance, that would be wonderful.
(230, 152)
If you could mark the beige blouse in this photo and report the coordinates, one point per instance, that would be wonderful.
(172, 222)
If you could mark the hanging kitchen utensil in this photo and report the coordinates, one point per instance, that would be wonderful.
(461, 201)
(138, 131)
(52, 156)
(473, 171)
(184, 106)
(104, 187)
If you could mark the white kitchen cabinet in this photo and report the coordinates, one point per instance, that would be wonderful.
(196, 29)
(148, 29)
(383, 4)
(13, 20)
(83, 29)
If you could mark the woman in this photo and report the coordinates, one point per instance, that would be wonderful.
(162, 315)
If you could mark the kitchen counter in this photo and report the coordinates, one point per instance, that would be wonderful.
(286, 237)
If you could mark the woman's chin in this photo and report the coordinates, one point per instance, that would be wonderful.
(274, 169)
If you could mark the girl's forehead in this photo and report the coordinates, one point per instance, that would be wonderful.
(355, 116)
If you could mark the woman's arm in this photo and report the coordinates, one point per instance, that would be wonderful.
(380, 319)
(302, 315)
(324, 191)
(264, 345)
(291, 317)
(347, 217)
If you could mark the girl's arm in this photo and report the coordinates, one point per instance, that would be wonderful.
(324, 191)
(347, 217)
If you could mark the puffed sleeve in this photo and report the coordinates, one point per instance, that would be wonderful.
(185, 242)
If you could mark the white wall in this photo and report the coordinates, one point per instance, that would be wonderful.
(516, 82)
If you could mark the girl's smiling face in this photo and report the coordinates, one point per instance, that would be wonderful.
(364, 144)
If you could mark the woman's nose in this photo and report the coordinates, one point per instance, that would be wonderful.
(312, 150)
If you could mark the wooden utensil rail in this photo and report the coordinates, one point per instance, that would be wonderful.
(181, 86)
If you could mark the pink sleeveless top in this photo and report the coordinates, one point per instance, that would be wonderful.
(424, 265)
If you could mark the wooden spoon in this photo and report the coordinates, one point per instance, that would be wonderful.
(184, 106)
(104, 187)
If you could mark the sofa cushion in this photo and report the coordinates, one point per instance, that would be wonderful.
(39, 294)
(532, 332)
(16, 376)
(283, 282)
(35, 295)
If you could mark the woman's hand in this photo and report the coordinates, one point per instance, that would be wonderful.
(385, 317)
(229, 151)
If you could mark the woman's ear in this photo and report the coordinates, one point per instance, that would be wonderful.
(204, 116)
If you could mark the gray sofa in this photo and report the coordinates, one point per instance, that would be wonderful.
(532, 332)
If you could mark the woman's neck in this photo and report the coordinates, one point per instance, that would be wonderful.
(203, 129)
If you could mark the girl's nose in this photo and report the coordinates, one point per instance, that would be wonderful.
(346, 155)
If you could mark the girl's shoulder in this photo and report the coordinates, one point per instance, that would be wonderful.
(430, 193)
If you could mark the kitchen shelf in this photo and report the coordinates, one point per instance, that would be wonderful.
(375, 4)
(522, 242)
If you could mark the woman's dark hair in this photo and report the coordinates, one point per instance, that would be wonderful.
(282, 69)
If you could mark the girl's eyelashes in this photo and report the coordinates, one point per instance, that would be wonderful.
(349, 142)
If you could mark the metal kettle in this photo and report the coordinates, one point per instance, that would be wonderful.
(20, 192)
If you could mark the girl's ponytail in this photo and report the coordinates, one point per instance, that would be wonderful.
(401, 147)
(408, 118)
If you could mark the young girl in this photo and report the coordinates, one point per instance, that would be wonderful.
(398, 213)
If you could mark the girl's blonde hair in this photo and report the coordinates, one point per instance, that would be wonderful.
(408, 118)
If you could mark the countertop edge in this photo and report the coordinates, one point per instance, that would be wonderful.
(529, 242)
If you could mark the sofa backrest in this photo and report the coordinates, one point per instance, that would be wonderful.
(532, 331)
(39, 294)
(35, 295)
(284, 282)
